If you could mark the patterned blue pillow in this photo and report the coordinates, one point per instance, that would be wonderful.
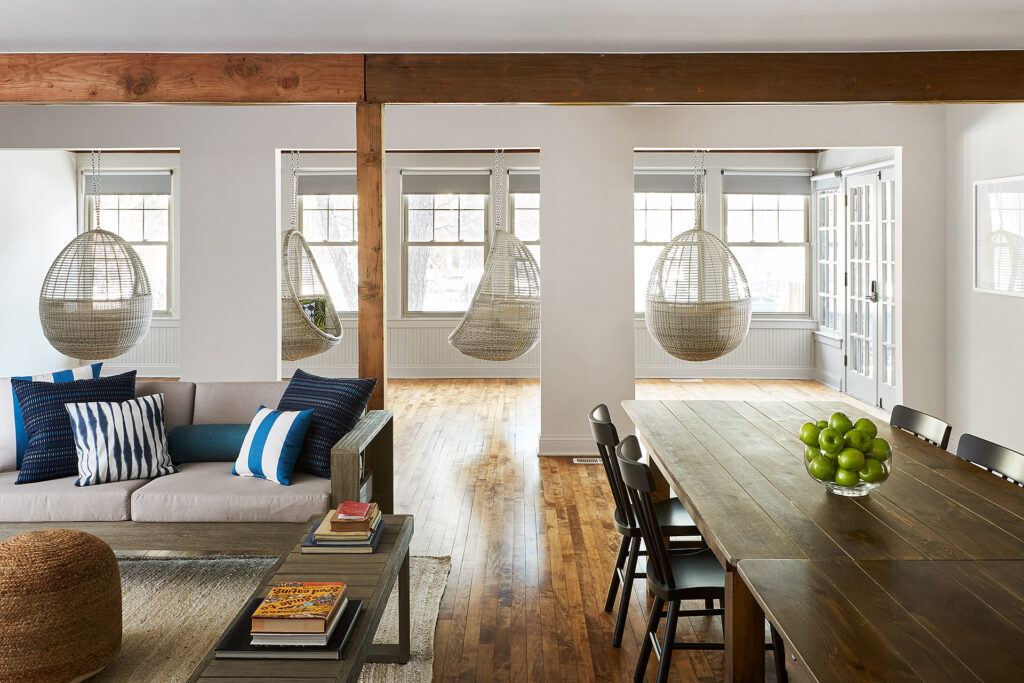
(272, 445)
(51, 452)
(120, 441)
(337, 406)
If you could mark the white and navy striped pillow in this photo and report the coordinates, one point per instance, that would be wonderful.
(120, 441)
(13, 439)
(272, 444)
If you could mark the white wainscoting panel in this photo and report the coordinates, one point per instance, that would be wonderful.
(157, 355)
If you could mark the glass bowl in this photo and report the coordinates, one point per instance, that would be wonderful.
(821, 471)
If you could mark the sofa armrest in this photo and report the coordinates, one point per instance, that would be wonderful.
(362, 462)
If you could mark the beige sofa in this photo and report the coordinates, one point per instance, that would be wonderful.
(208, 492)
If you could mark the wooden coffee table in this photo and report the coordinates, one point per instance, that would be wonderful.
(370, 578)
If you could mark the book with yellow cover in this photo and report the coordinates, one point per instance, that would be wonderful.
(298, 607)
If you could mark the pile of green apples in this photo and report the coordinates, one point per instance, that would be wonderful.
(844, 452)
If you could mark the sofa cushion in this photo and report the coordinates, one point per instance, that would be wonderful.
(206, 443)
(59, 500)
(179, 400)
(51, 452)
(234, 402)
(13, 439)
(209, 492)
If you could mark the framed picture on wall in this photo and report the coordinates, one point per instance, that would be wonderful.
(999, 236)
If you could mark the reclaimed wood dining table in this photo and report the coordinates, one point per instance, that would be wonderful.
(738, 468)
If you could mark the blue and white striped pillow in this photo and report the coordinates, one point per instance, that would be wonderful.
(120, 441)
(13, 439)
(272, 444)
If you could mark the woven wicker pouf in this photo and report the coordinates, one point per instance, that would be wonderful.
(60, 606)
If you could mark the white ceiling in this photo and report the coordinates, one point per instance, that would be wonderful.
(509, 26)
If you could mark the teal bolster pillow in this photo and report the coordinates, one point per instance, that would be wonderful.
(206, 443)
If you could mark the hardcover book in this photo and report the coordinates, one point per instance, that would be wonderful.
(236, 643)
(311, 545)
(351, 511)
(298, 608)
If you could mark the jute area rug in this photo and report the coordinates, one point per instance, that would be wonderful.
(175, 609)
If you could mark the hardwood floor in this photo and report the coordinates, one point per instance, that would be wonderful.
(530, 538)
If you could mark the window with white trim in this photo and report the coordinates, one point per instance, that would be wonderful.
(766, 228)
(524, 214)
(828, 214)
(328, 220)
(662, 209)
(444, 239)
(137, 207)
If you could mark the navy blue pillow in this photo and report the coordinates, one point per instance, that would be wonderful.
(337, 406)
(51, 452)
(206, 443)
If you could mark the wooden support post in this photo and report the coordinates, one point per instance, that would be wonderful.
(744, 632)
(370, 188)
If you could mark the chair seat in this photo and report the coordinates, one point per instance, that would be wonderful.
(696, 575)
(672, 516)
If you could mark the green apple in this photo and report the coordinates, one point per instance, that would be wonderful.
(822, 468)
(848, 478)
(821, 424)
(840, 423)
(809, 434)
(866, 425)
(811, 452)
(851, 459)
(856, 438)
(830, 440)
(878, 449)
(872, 472)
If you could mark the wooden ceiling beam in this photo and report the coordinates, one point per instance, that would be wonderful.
(180, 78)
(995, 76)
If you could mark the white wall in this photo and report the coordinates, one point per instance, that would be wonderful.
(229, 218)
(985, 365)
(38, 194)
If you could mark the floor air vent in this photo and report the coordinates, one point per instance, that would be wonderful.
(587, 461)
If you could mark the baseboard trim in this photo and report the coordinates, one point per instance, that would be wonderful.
(562, 446)
(738, 372)
(829, 379)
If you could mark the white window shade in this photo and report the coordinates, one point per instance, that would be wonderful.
(766, 183)
(464, 182)
(656, 181)
(157, 182)
(524, 181)
(327, 183)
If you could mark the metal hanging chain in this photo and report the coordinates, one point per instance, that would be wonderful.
(295, 190)
(97, 184)
(698, 187)
(499, 186)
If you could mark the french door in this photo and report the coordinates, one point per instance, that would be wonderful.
(871, 228)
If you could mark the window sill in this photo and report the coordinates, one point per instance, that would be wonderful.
(828, 338)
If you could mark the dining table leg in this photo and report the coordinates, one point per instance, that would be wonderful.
(744, 632)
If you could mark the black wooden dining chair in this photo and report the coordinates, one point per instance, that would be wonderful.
(931, 429)
(673, 575)
(671, 515)
(993, 457)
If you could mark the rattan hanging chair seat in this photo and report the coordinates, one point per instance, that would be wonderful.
(309, 322)
(502, 322)
(96, 301)
(698, 302)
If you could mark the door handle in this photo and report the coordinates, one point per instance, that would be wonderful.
(873, 296)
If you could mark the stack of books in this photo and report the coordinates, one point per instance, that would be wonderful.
(353, 528)
(295, 621)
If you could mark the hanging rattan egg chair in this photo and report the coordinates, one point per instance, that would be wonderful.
(309, 322)
(502, 322)
(96, 301)
(698, 301)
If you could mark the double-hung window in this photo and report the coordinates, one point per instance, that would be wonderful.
(136, 205)
(662, 209)
(766, 228)
(444, 239)
(524, 209)
(828, 215)
(327, 219)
